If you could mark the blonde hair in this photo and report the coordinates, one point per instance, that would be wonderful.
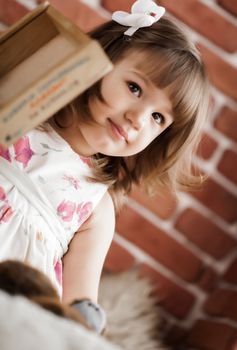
(172, 62)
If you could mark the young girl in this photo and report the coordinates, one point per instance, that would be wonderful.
(139, 124)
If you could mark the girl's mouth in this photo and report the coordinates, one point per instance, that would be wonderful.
(118, 131)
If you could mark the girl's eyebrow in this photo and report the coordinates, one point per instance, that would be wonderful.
(141, 76)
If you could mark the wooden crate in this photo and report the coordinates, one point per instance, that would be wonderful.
(45, 62)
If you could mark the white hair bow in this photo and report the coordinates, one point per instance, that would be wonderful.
(143, 14)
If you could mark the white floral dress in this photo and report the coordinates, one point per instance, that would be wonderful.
(61, 175)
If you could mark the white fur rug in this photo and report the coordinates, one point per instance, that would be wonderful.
(132, 320)
(133, 316)
(26, 326)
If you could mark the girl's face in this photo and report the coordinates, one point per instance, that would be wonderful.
(134, 113)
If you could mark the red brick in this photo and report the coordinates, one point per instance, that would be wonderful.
(205, 234)
(11, 11)
(82, 15)
(208, 280)
(221, 74)
(218, 199)
(206, 147)
(159, 245)
(163, 206)
(208, 335)
(197, 15)
(222, 303)
(174, 299)
(227, 165)
(229, 5)
(217, 302)
(204, 20)
(231, 273)
(122, 5)
(226, 122)
(118, 259)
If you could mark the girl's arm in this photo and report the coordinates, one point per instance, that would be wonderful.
(82, 264)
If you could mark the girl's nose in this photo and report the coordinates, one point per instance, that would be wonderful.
(137, 117)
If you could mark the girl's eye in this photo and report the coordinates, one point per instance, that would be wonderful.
(158, 117)
(135, 89)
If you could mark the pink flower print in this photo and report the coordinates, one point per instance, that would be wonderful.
(58, 271)
(6, 213)
(84, 211)
(87, 161)
(23, 152)
(66, 210)
(72, 181)
(2, 194)
(4, 152)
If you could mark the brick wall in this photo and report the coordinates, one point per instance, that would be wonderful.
(187, 248)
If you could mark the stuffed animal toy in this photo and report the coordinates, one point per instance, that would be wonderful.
(17, 278)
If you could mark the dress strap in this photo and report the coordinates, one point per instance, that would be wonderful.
(36, 197)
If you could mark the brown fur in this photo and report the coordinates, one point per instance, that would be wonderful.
(17, 278)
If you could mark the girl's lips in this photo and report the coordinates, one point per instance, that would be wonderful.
(122, 134)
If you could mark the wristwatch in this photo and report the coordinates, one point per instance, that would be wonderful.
(93, 314)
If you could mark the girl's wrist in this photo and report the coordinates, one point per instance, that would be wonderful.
(92, 313)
